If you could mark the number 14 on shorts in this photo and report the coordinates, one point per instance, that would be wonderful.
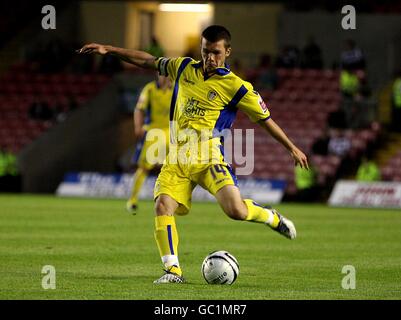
(217, 169)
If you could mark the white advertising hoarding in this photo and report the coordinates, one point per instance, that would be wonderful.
(98, 185)
(366, 194)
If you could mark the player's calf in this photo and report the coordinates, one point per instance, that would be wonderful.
(237, 212)
(271, 217)
(234, 208)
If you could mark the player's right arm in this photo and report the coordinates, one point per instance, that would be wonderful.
(253, 105)
(139, 58)
(139, 119)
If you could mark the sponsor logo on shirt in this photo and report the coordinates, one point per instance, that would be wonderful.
(192, 109)
(189, 81)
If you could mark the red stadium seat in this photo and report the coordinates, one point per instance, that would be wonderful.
(311, 73)
(41, 88)
(297, 73)
(283, 73)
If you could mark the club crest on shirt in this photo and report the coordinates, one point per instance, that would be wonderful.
(212, 95)
(261, 102)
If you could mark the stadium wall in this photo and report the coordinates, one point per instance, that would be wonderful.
(103, 22)
(253, 33)
(76, 144)
(93, 138)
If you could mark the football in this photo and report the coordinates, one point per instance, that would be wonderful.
(220, 267)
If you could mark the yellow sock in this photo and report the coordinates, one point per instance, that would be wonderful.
(139, 179)
(257, 213)
(166, 236)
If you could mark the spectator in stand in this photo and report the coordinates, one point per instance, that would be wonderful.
(337, 119)
(3, 164)
(40, 110)
(349, 83)
(288, 58)
(368, 170)
(339, 144)
(9, 176)
(60, 112)
(321, 145)
(396, 103)
(306, 183)
(268, 78)
(357, 105)
(311, 55)
(364, 112)
(155, 49)
(349, 87)
(352, 56)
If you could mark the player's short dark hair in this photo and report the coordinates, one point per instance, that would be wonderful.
(216, 33)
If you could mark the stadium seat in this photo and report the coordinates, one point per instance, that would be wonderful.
(283, 74)
(22, 85)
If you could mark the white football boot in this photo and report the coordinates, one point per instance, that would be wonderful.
(285, 226)
(169, 277)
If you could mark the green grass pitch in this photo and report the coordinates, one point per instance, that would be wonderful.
(101, 252)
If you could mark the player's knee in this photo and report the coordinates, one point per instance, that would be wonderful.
(162, 208)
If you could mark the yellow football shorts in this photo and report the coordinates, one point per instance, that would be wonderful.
(178, 179)
(151, 153)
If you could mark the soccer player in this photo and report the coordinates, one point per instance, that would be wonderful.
(151, 112)
(206, 95)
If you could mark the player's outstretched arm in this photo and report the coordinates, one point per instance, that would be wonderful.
(139, 58)
(277, 133)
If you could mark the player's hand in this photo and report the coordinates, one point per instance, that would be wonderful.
(93, 48)
(300, 158)
(139, 134)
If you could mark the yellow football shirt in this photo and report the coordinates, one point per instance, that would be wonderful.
(202, 102)
(155, 103)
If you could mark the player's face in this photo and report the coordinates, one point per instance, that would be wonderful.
(214, 54)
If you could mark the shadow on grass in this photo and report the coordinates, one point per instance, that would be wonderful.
(119, 278)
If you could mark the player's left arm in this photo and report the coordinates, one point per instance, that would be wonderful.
(277, 133)
(139, 58)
